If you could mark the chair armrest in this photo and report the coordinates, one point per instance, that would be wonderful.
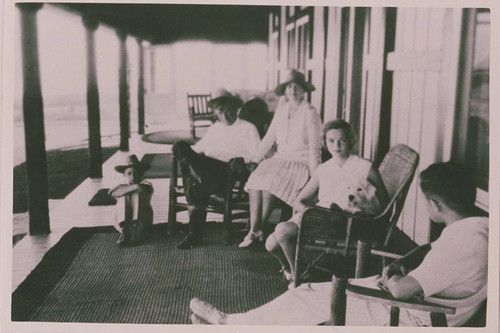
(386, 254)
(356, 216)
(385, 297)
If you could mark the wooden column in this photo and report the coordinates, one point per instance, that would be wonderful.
(124, 94)
(36, 159)
(93, 112)
(140, 98)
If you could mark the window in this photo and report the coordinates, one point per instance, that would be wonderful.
(299, 38)
(303, 47)
(472, 144)
(291, 48)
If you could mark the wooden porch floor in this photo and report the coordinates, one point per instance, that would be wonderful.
(74, 211)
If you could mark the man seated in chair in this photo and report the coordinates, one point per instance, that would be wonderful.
(453, 267)
(227, 145)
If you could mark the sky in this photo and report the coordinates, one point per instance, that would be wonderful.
(196, 66)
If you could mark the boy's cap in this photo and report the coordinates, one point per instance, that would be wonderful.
(132, 162)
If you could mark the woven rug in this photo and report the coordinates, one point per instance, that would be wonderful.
(159, 165)
(86, 277)
(172, 136)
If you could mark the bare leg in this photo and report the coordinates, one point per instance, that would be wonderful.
(274, 248)
(261, 207)
(255, 208)
(255, 218)
(268, 203)
(301, 306)
(286, 236)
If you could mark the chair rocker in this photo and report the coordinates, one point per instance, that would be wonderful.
(199, 112)
(331, 232)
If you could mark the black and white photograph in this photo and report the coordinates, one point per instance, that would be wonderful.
(256, 166)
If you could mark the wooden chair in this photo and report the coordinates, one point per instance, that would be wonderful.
(199, 112)
(437, 308)
(331, 232)
(234, 204)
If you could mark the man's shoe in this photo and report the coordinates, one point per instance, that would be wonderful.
(189, 242)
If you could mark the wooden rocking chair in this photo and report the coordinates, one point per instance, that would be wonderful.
(436, 307)
(233, 205)
(334, 232)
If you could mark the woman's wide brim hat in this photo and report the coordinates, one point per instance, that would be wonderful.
(221, 96)
(296, 77)
(132, 162)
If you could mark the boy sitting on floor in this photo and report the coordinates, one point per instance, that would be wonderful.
(454, 267)
(133, 211)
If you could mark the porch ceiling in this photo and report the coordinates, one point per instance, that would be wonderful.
(167, 23)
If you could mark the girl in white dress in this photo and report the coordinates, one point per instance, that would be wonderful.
(331, 182)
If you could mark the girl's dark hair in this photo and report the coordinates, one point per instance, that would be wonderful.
(451, 183)
(340, 124)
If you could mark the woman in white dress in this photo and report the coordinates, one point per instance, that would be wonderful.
(296, 130)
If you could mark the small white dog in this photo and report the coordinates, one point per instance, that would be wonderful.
(361, 198)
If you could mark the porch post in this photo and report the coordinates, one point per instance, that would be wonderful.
(124, 94)
(140, 98)
(34, 131)
(93, 112)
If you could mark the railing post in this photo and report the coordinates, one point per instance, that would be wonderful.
(93, 111)
(140, 98)
(124, 94)
(34, 131)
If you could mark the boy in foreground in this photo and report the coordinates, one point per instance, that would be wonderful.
(454, 267)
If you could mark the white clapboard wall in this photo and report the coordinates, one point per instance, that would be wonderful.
(424, 64)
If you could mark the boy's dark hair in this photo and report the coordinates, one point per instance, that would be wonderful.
(451, 183)
(340, 124)
(228, 105)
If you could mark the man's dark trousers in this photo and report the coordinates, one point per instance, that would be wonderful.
(202, 176)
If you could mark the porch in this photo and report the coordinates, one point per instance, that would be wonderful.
(74, 210)
(434, 127)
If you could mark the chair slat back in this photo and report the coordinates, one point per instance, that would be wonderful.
(397, 171)
(398, 168)
(197, 105)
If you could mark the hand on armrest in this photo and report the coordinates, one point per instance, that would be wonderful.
(239, 168)
(403, 287)
(406, 264)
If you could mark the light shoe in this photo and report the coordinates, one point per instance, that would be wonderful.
(251, 237)
(286, 274)
(207, 312)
